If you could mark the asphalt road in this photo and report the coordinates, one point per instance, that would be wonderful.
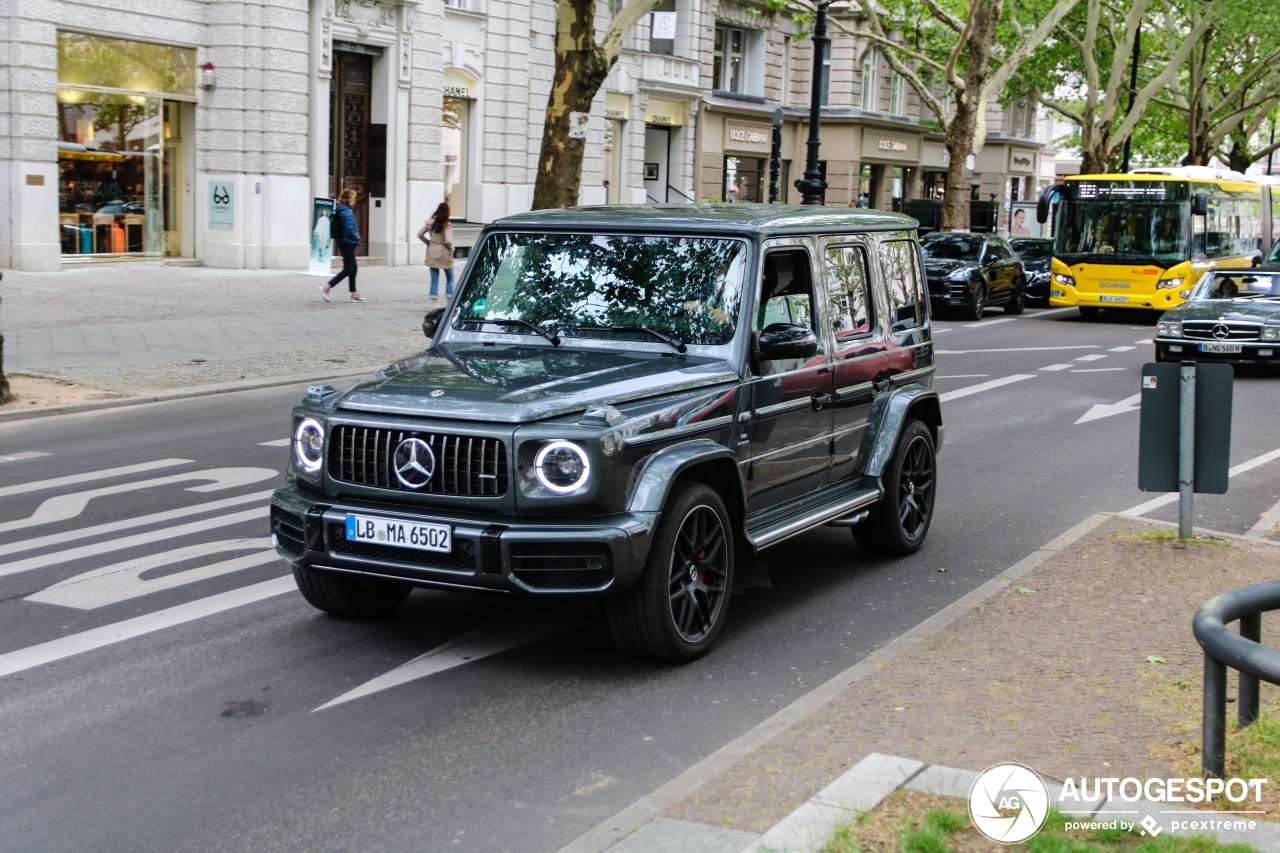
(162, 684)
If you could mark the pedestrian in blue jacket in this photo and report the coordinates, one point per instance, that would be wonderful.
(346, 237)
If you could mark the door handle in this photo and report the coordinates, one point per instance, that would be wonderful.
(820, 400)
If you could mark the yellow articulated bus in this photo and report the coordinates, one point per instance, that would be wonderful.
(1142, 240)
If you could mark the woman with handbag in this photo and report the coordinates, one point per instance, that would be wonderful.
(437, 233)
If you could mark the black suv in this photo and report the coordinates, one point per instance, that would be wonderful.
(971, 271)
(622, 402)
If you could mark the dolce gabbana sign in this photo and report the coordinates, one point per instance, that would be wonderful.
(752, 138)
(891, 145)
(878, 145)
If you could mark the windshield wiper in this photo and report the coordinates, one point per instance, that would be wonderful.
(551, 336)
(675, 343)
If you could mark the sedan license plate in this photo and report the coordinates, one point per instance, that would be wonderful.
(1112, 297)
(1217, 347)
(400, 534)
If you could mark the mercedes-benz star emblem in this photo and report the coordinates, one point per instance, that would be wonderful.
(414, 463)
(1222, 331)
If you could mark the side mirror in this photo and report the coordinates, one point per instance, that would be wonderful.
(431, 322)
(1257, 260)
(1046, 199)
(783, 340)
(1200, 204)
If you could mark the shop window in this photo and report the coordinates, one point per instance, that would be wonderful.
(109, 154)
(745, 178)
(453, 154)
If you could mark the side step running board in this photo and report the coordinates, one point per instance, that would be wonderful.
(850, 520)
(848, 508)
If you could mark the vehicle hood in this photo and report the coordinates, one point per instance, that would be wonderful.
(1037, 264)
(1228, 310)
(941, 268)
(519, 384)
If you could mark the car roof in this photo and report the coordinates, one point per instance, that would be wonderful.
(712, 218)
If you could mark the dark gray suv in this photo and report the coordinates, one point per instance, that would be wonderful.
(621, 403)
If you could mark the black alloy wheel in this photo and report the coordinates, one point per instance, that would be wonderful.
(678, 608)
(899, 523)
(1018, 301)
(978, 304)
(350, 595)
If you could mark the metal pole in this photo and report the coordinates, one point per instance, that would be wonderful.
(775, 155)
(1213, 735)
(1187, 450)
(1250, 629)
(1133, 92)
(812, 186)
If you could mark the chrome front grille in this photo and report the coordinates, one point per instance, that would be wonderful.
(1204, 330)
(465, 465)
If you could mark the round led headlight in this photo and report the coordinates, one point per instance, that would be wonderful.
(1169, 330)
(562, 467)
(308, 445)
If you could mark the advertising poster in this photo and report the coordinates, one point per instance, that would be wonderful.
(321, 239)
(1022, 221)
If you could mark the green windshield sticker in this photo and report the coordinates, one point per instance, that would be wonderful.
(478, 306)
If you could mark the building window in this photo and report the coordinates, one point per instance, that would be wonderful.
(728, 59)
(662, 28)
(785, 97)
(824, 85)
(897, 95)
(870, 81)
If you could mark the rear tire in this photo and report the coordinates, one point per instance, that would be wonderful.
(899, 523)
(350, 595)
(1089, 312)
(1018, 302)
(678, 608)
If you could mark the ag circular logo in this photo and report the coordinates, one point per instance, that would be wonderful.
(414, 463)
(1008, 803)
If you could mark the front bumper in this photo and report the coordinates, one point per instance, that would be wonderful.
(570, 557)
(1062, 295)
(1251, 352)
(950, 294)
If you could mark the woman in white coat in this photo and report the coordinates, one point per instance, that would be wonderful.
(437, 233)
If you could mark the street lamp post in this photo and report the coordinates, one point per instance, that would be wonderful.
(813, 186)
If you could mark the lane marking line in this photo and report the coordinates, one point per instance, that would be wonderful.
(1094, 356)
(988, 322)
(1097, 369)
(279, 442)
(984, 386)
(74, 479)
(1053, 311)
(1171, 497)
(965, 376)
(1055, 367)
(1145, 342)
(139, 521)
(1113, 349)
(57, 557)
(1017, 349)
(1265, 524)
(118, 632)
(26, 454)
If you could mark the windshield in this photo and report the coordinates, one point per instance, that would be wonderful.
(1033, 250)
(1274, 257)
(623, 287)
(1237, 285)
(1121, 232)
(951, 248)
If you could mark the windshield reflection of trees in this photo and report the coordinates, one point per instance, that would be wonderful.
(691, 288)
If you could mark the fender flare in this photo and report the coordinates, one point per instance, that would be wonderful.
(654, 476)
(889, 412)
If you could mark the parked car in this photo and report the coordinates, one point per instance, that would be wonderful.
(1036, 254)
(971, 271)
(1232, 315)
(1272, 260)
(621, 403)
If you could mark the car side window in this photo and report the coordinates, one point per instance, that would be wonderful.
(848, 294)
(901, 270)
(786, 296)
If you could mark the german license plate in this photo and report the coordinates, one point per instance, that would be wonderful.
(1113, 297)
(400, 534)
(1217, 347)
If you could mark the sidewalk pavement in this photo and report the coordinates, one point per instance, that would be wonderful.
(1077, 661)
(140, 329)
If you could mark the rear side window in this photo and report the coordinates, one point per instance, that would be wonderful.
(848, 293)
(901, 270)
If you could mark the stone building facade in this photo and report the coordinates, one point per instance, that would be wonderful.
(207, 129)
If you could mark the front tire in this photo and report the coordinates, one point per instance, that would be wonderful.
(350, 595)
(678, 608)
(975, 309)
(899, 523)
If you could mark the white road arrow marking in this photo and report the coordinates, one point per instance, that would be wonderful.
(74, 479)
(63, 507)
(117, 632)
(137, 521)
(123, 581)
(58, 557)
(491, 638)
(1106, 410)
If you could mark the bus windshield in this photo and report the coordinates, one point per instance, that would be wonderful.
(1123, 231)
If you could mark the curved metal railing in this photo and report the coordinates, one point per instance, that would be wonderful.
(1242, 652)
